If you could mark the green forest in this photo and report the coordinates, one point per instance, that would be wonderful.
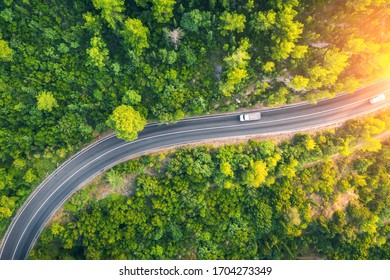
(323, 196)
(73, 70)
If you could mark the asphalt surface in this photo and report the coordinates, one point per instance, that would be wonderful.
(109, 151)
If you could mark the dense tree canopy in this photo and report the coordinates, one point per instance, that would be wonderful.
(255, 200)
(65, 66)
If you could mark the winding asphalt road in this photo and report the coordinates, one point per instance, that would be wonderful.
(109, 151)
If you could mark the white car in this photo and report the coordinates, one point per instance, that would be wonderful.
(250, 117)
(377, 99)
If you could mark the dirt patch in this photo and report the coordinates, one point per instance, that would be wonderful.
(104, 189)
(383, 136)
(58, 217)
(129, 184)
(98, 189)
(315, 208)
(250, 89)
(341, 202)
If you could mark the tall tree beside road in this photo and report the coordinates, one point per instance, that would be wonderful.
(126, 122)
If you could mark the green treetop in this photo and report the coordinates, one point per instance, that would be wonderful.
(191, 21)
(5, 51)
(46, 101)
(256, 174)
(232, 22)
(163, 10)
(111, 10)
(127, 122)
(136, 34)
(98, 53)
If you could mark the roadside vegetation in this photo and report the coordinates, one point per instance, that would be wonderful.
(71, 70)
(255, 200)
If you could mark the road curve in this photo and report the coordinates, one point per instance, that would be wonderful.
(109, 151)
